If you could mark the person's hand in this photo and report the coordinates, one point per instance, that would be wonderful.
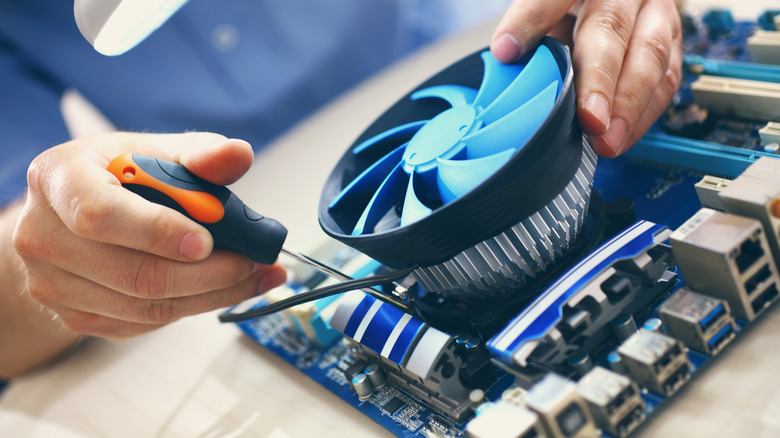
(114, 265)
(626, 53)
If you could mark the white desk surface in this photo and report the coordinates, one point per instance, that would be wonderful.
(197, 378)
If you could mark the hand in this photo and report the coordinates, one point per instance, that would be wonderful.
(114, 265)
(626, 54)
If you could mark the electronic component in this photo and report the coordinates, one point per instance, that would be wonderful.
(770, 133)
(362, 386)
(764, 47)
(504, 420)
(704, 156)
(573, 314)
(738, 97)
(708, 188)
(727, 256)
(561, 410)
(701, 322)
(732, 69)
(755, 194)
(422, 359)
(718, 20)
(613, 399)
(393, 405)
(656, 361)
(312, 317)
(479, 179)
(767, 20)
(428, 375)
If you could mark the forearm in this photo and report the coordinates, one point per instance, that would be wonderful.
(30, 335)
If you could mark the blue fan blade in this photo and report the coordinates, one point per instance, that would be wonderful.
(457, 177)
(514, 129)
(495, 79)
(370, 179)
(414, 209)
(387, 195)
(456, 95)
(541, 71)
(400, 134)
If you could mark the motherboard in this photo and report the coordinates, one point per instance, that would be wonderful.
(674, 259)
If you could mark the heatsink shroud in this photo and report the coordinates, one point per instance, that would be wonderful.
(490, 240)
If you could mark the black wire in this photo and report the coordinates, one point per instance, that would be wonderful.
(316, 294)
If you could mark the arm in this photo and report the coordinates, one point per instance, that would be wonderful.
(90, 258)
(627, 59)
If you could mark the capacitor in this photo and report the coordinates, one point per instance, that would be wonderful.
(375, 375)
(580, 363)
(652, 324)
(613, 358)
(624, 326)
(362, 386)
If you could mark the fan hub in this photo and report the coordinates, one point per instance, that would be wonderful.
(439, 138)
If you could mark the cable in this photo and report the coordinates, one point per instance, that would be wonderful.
(316, 294)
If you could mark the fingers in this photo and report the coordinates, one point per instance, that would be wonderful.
(626, 60)
(602, 35)
(92, 204)
(524, 24)
(51, 288)
(220, 163)
(663, 95)
(648, 57)
(112, 264)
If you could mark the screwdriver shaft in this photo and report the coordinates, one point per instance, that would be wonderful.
(335, 273)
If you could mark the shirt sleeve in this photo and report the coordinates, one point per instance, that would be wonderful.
(30, 120)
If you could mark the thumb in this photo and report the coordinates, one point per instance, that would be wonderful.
(217, 159)
(524, 24)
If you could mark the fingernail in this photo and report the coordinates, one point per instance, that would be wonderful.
(506, 48)
(272, 279)
(597, 106)
(615, 136)
(194, 246)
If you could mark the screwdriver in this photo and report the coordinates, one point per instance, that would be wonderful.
(232, 224)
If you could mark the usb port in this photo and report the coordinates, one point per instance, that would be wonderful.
(756, 279)
(711, 318)
(667, 358)
(765, 299)
(680, 376)
(620, 400)
(721, 337)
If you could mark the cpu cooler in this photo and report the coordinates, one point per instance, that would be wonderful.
(480, 176)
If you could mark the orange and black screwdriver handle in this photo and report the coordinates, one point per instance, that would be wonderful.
(232, 224)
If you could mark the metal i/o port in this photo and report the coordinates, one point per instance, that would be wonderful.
(721, 338)
(754, 281)
(613, 399)
(755, 193)
(727, 256)
(764, 299)
(562, 411)
(701, 322)
(656, 361)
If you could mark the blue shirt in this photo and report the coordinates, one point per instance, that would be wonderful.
(243, 68)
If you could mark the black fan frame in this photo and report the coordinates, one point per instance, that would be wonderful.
(533, 177)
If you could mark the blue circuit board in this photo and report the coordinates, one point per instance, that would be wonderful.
(659, 191)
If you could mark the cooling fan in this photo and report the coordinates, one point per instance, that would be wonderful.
(480, 176)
